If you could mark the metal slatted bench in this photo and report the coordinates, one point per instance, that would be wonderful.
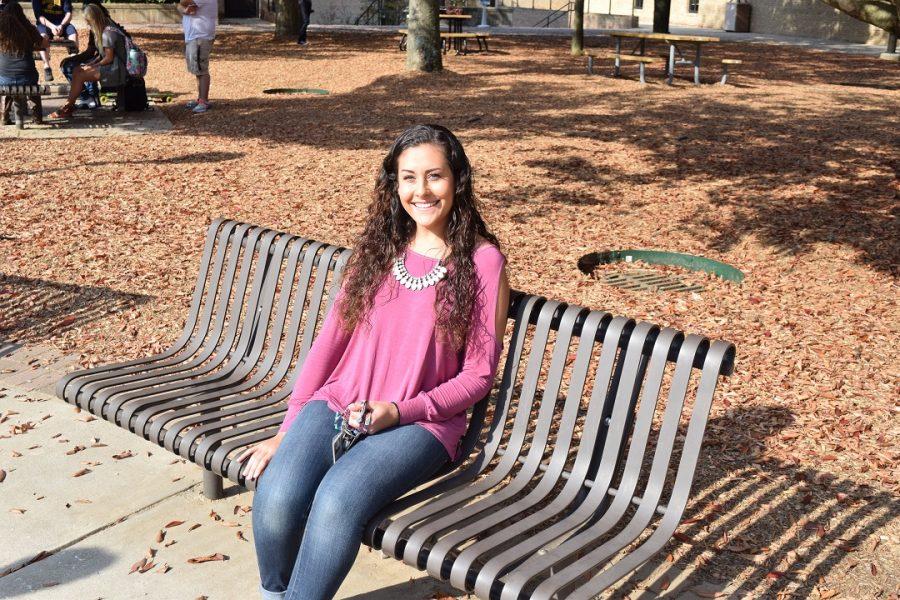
(580, 476)
(19, 95)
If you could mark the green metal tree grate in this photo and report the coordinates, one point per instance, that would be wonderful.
(643, 279)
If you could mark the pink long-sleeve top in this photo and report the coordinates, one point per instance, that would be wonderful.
(396, 357)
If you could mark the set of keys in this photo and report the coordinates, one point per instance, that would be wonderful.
(351, 426)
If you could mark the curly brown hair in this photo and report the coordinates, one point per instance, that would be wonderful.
(18, 36)
(389, 230)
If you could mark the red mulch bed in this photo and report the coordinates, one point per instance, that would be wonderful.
(790, 174)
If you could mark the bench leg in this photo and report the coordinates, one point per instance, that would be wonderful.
(697, 66)
(21, 109)
(212, 485)
(618, 52)
(7, 109)
(37, 110)
(724, 74)
(642, 73)
(590, 65)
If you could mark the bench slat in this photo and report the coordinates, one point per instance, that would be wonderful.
(638, 59)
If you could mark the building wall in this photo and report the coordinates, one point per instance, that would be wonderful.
(801, 18)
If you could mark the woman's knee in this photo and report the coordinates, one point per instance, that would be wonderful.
(339, 506)
(277, 509)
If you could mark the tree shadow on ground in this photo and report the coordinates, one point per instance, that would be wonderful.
(792, 174)
(761, 528)
(770, 173)
(35, 310)
(25, 576)
(198, 157)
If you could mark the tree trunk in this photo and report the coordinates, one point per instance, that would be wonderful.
(578, 28)
(423, 44)
(884, 14)
(661, 9)
(287, 18)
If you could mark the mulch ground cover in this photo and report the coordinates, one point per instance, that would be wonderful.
(789, 174)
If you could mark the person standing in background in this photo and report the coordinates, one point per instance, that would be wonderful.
(305, 11)
(199, 18)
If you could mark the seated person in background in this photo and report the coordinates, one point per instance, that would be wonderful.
(109, 66)
(18, 40)
(90, 96)
(53, 19)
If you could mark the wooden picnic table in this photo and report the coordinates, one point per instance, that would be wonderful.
(454, 25)
(672, 40)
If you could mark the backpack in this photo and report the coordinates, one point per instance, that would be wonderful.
(133, 95)
(136, 59)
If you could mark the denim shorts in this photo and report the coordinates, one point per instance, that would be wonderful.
(67, 30)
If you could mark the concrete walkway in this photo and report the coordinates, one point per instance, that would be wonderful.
(101, 122)
(82, 501)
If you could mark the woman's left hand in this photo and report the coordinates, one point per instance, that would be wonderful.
(382, 415)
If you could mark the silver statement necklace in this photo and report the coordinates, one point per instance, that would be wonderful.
(418, 283)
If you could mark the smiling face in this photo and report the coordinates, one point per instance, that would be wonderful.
(425, 186)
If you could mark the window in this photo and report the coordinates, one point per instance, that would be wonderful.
(638, 4)
(693, 6)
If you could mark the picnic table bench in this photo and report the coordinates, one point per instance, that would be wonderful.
(672, 40)
(552, 485)
(459, 40)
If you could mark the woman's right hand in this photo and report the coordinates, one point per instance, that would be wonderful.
(259, 455)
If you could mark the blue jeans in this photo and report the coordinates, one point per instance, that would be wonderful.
(309, 514)
(22, 80)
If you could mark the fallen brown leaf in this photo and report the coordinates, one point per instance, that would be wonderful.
(208, 558)
(171, 524)
(147, 567)
(81, 472)
(137, 566)
(160, 536)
